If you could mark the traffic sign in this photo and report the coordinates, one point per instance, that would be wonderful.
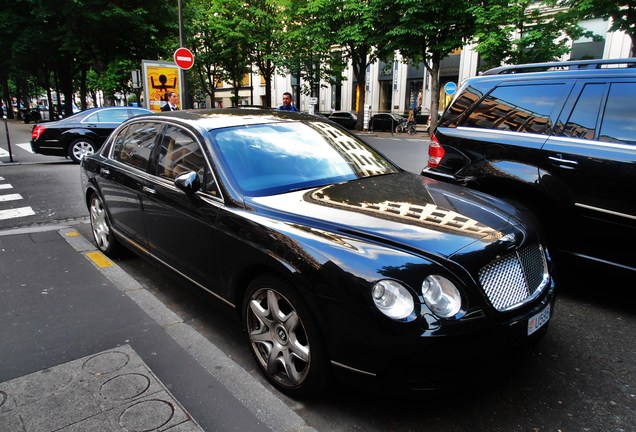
(184, 58)
(450, 88)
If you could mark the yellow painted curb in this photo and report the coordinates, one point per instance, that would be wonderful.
(72, 234)
(99, 259)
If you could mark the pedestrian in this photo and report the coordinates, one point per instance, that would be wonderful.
(287, 103)
(171, 105)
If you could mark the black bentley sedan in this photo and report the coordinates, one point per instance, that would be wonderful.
(82, 133)
(336, 261)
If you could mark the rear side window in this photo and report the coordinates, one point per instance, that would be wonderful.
(619, 119)
(518, 108)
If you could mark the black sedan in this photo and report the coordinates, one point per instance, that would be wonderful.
(333, 258)
(344, 118)
(80, 134)
(385, 122)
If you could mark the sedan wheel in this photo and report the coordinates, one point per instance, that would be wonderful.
(284, 338)
(79, 148)
(100, 226)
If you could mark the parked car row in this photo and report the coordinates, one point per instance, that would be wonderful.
(336, 261)
(559, 139)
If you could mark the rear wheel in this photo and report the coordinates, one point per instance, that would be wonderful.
(80, 148)
(284, 337)
(100, 226)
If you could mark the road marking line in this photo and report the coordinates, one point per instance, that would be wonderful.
(3, 153)
(25, 147)
(6, 186)
(99, 259)
(10, 197)
(17, 212)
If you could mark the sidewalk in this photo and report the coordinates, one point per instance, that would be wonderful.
(84, 347)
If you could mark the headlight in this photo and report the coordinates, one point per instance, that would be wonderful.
(392, 299)
(441, 296)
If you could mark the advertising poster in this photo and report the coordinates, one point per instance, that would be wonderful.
(160, 78)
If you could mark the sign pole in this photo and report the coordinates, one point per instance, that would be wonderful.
(181, 45)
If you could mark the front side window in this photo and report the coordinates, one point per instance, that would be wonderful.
(181, 153)
(518, 108)
(137, 145)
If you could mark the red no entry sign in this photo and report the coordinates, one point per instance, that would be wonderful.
(183, 58)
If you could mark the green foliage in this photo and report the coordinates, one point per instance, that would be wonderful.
(521, 32)
(622, 14)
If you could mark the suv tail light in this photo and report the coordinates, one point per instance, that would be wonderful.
(435, 152)
(37, 131)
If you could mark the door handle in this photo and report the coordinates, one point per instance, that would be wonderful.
(560, 160)
(149, 190)
(104, 171)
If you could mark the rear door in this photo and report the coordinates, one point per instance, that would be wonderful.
(590, 164)
(123, 179)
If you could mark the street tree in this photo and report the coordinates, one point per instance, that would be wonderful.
(204, 43)
(303, 51)
(231, 28)
(266, 37)
(426, 31)
(348, 28)
(523, 31)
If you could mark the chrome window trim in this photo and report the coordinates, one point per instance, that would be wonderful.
(602, 210)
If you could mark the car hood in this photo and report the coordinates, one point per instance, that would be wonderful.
(402, 210)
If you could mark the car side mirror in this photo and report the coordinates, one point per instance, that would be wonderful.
(188, 182)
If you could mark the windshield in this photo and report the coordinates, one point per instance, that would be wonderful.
(276, 158)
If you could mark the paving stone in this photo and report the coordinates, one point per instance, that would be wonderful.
(110, 391)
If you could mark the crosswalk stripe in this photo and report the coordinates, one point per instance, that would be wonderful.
(17, 212)
(10, 197)
(25, 147)
(6, 186)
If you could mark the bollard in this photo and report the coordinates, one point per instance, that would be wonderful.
(6, 126)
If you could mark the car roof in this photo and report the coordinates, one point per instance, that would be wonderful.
(215, 118)
(561, 70)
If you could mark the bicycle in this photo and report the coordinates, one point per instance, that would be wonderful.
(406, 126)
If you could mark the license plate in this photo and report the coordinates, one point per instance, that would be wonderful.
(539, 320)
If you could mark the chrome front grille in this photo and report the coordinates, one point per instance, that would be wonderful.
(516, 278)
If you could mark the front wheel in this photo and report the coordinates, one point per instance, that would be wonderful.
(80, 148)
(399, 129)
(284, 338)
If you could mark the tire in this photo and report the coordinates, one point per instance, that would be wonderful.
(100, 227)
(412, 130)
(284, 338)
(79, 148)
(399, 129)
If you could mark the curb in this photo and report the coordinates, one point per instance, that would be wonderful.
(258, 399)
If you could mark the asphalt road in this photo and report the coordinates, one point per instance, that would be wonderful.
(581, 377)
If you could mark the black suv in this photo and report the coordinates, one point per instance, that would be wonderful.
(559, 139)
